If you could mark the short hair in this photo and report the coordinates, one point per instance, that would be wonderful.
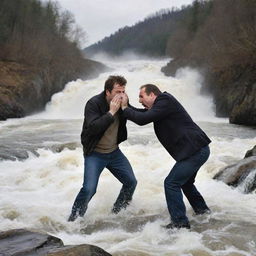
(109, 83)
(151, 88)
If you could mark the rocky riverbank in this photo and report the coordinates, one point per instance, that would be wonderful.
(233, 89)
(25, 89)
(24, 242)
(241, 174)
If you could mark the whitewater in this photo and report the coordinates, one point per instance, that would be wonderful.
(41, 172)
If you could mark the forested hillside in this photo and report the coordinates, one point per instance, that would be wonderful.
(147, 37)
(151, 35)
(216, 36)
(39, 53)
(223, 45)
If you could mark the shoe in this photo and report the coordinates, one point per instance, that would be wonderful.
(82, 211)
(117, 209)
(73, 216)
(177, 225)
(201, 212)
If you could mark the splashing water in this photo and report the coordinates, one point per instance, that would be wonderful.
(38, 188)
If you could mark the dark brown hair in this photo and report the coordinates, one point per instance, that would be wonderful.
(109, 83)
(151, 88)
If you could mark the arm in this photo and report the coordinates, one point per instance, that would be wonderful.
(94, 121)
(125, 103)
(137, 109)
(160, 110)
(97, 123)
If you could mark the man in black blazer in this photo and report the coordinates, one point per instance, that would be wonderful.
(184, 141)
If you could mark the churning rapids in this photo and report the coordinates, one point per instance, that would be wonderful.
(42, 170)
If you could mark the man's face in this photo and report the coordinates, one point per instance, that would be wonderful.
(117, 90)
(146, 100)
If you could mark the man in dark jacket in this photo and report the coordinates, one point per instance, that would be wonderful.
(183, 140)
(104, 128)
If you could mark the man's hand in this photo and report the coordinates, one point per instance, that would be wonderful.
(124, 102)
(115, 104)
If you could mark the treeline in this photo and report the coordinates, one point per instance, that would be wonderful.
(221, 40)
(147, 37)
(39, 34)
(39, 53)
(219, 34)
(204, 31)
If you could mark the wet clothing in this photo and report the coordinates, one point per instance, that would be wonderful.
(186, 142)
(96, 121)
(182, 177)
(173, 126)
(119, 166)
(108, 142)
(100, 137)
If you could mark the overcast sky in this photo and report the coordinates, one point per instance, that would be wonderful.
(100, 18)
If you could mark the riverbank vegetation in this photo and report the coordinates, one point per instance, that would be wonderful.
(39, 34)
(40, 53)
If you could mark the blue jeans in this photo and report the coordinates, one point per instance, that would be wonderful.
(119, 166)
(182, 177)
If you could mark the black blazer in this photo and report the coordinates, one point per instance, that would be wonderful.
(97, 119)
(173, 126)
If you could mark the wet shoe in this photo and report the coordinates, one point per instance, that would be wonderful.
(117, 209)
(177, 225)
(201, 212)
(82, 211)
(73, 216)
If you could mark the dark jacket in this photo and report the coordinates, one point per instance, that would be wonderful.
(173, 126)
(96, 121)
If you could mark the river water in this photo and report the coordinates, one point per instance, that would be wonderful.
(41, 171)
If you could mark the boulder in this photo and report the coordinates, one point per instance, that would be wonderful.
(21, 242)
(251, 152)
(242, 174)
(79, 250)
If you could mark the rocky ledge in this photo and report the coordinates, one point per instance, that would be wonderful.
(20, 242)
(25, 89)
(242, 174)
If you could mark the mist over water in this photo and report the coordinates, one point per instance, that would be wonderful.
(185, 87)
(37, 190)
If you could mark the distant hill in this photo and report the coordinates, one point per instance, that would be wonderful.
(148, 37)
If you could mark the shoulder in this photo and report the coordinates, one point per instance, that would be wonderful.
(163, 98)
(166, 97)
(98, 99)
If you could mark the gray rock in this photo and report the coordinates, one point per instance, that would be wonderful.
(79, 250)
(251, 152)
(20, 242)
(241, 174)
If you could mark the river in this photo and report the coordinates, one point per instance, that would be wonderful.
(39, 179)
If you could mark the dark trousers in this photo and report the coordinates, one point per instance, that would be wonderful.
(119, 166)
(182, 178)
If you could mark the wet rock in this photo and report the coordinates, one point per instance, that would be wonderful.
(60, 147)
(233, 88)
(242, 174)
(25, 89)
(132, 224)
(79, 250)
(24, 242)
(251, 152)
(21, 242)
